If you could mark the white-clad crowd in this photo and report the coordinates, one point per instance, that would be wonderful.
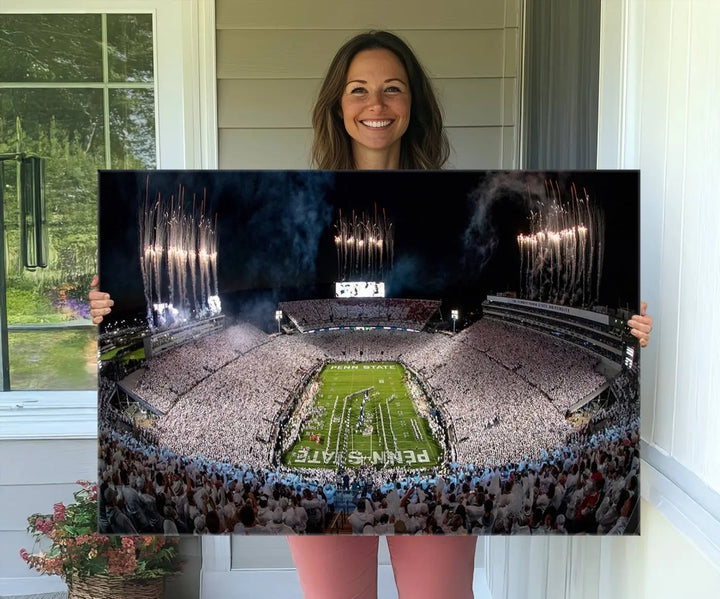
(588, 485)
(502, 389)
(323, 313)
(179, 370)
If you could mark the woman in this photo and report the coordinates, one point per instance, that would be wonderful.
(376, 110)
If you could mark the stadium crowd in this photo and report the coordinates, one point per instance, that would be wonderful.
(222, 394)
(587, 485)
(324, 313)
(496, 412)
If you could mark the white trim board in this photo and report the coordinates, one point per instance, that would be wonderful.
(683, 498)
(249, 584)
(48, 415)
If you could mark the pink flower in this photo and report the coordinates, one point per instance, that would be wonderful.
(44, 526)
(59, 512)
(24, 554)
(127, 543)
(121, 561)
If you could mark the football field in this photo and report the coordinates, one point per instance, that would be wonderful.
(365, 413)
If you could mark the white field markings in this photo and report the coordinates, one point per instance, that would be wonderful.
(420, 441)
(340, 428)
(345, 421)
(345, 385)
(332, 417)
(416, 429)
(382, 427)
(392, 432)
(424, 441)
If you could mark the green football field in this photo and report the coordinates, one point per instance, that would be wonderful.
(391, 432)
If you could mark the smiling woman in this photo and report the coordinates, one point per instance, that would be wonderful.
(377, 97)
(375, 107)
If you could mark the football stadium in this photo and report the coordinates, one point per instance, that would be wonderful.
(488, 422)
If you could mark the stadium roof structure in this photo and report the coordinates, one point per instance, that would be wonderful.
(594, 331)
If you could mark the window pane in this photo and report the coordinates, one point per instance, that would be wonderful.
(51, 338)
(53, 359)
(66, 128)
(130, 47)
(132, 128)
(53, 122)
(38, 48)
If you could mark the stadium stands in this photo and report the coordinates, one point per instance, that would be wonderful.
(309, 315)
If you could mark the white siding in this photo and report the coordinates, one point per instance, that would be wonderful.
(35, 474)
(271, 58)
(671, 131)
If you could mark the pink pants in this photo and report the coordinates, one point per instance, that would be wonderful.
(345, 567)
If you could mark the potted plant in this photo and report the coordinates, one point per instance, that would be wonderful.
(94, 565)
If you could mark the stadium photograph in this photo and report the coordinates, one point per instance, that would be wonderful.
(306, 352)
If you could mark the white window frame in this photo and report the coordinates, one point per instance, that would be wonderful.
(186, 133)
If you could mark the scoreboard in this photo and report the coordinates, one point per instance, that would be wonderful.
(359, 289)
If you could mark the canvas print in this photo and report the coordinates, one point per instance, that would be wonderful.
(306, 352)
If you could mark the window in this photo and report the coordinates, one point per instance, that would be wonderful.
(77, 91)
(160, 56)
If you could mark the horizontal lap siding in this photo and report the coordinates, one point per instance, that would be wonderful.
(287, 103)
(53, 461)
(471, 147)
(264, 148)
(271, 59)
(35, 475)
(350, 14)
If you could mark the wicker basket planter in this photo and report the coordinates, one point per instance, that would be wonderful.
(116, 587)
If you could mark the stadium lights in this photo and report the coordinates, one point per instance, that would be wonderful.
(278, 317)
(454, 314)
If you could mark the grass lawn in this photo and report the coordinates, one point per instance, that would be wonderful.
(392, 432)
(53, 359)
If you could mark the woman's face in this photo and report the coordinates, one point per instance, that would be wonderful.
(375, 102)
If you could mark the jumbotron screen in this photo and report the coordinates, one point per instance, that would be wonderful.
(360, 289)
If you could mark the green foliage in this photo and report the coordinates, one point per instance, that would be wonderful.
(77, 550)
(54, 359)
(71, 190)
(66, 126)
(27, 306)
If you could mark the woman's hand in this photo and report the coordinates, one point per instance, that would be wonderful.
(641, 325)
(100, 303)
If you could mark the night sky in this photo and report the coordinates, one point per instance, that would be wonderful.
(455, 232)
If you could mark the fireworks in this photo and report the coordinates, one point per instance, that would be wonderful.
(364, 247)
(174, 247)
(561, 260)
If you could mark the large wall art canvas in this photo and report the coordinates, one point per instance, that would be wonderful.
(307, 352)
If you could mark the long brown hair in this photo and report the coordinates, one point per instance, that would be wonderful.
(424, 145)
